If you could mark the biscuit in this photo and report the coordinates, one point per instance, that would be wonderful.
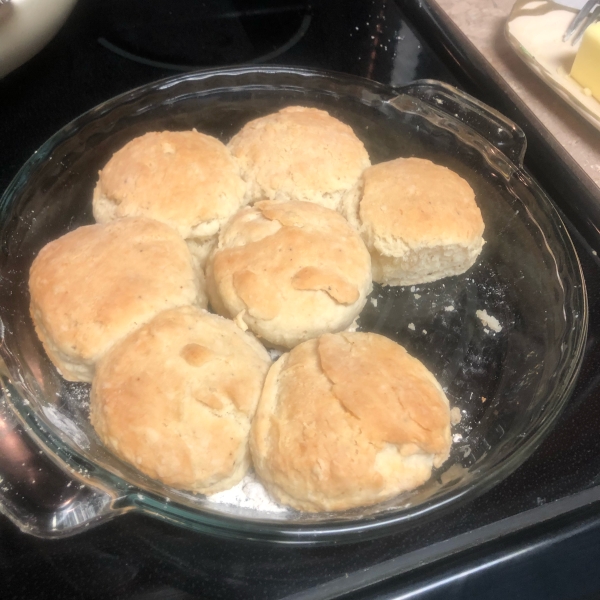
(93, 286)
(348, 420)
(185, 179)
(299, 153)
(176, 398)
(419, 221)
(289, 271)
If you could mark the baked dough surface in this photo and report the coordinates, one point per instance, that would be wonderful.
(176, 398)
(419, 221)
(98, 283)
(291, 271)
(348, 420)
(185, 179)
(299, 153)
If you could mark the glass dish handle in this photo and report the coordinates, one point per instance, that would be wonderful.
(39, 497)
(497, 129)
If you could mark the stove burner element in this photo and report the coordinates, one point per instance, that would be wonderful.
(185, 35)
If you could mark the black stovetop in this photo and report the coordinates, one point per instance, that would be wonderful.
(503, 543)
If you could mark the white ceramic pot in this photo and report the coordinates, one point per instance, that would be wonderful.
(26, 26)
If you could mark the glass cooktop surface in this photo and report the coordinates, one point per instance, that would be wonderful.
(110, 46)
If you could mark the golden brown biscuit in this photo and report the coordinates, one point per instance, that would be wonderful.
(93, 286)
(347, 420)
(185, 179)
(290, 271)
(419, 221)
(175, 399)
(299, 153)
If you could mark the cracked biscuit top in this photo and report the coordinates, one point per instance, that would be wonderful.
(176, 399)
(348, 420)
(290, 271)
(95, 285)
(299, 153)
(185, 179)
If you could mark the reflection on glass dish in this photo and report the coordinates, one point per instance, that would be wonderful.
(505, 340)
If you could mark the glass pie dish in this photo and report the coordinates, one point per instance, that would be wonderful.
(505, 339)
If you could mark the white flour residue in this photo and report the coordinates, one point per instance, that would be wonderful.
(411, 326)
(248, 493)
(76, 395)
(489, 321)
(353, 326)
(62, 422)
(274, 354)
(455, 416)
(449, 308)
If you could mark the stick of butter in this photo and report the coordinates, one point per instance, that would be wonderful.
(586, 68)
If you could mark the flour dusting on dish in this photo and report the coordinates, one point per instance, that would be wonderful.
(248, 493)
(489, 321)
(62, 422)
